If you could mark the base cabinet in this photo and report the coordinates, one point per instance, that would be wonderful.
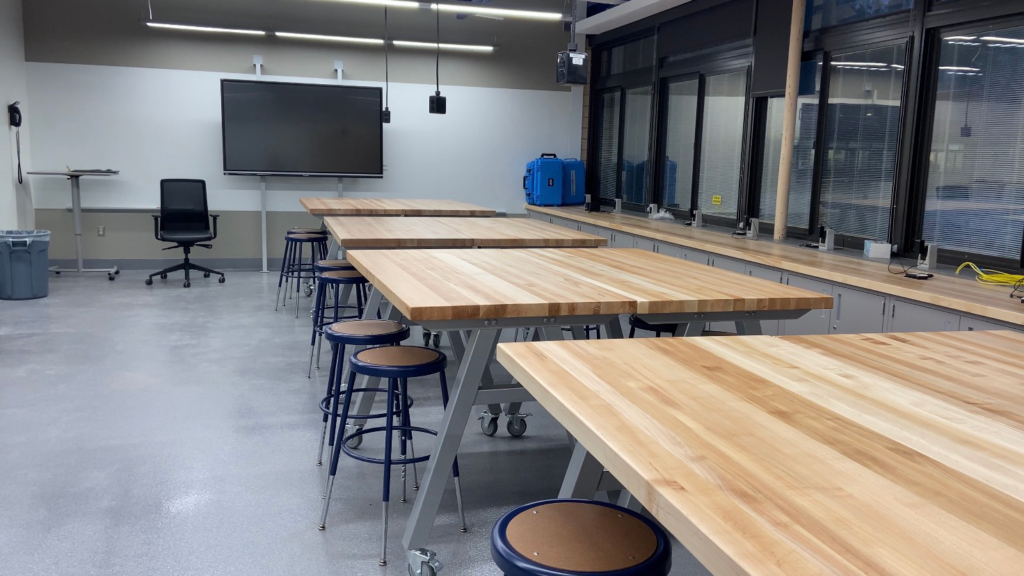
(814, 322)
(856, 312)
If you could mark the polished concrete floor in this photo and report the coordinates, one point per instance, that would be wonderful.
(158, 430)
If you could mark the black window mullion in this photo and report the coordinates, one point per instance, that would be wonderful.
(743, 194)
(698, 137)
(819, 145)
(759, 137)
(622, 132)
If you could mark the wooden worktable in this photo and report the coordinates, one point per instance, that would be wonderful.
(390, 207)
(372, 232)
(862, 454)
(956, 293)
(460, 284)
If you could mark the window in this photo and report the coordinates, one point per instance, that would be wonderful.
(801, 172)
(635, 135)
(721, 148)
(634, 55)
(826, 13)
(860, 142)
(680, 135)
(607, 149)
(975, 190)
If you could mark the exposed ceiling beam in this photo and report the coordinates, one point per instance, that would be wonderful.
(625, 13)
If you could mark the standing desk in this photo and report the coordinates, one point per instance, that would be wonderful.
(390, 207)
(482, 292)
(855, 454)
(352, 232)
(76, 210)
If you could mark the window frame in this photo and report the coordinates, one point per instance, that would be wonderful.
(662, 140)
(917, 197)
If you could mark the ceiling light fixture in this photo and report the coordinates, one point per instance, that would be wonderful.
(879, 64)
(205, 28)
(442, 46)
(963, 68)
(481, 11)
(960, 37)
(388, 3)
(999, 39)
(351, 39)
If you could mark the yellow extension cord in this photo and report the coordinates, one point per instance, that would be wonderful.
(995, 277)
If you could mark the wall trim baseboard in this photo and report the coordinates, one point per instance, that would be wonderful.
(154, 264)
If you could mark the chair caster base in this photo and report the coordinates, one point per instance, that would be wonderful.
(382, 563)
(463, 530)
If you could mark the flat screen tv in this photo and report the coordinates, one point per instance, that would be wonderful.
(284, 129)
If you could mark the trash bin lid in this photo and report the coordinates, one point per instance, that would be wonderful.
(23, 235)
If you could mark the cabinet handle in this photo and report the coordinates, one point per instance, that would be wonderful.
(839, 307)
(893, 310)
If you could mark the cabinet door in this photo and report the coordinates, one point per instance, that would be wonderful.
(587, 228)
(815, 321)
(643, 244)
(907, 317)
(684, 253)
(971, 324)
(728, 264)
(857, 312)
(620, 240)
(770, 327)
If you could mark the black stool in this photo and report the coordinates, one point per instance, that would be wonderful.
(293, 268)
(326, 281)
(578, 537)
(396, 364)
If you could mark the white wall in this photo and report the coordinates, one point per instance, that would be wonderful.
(15, 201)
(153, 123)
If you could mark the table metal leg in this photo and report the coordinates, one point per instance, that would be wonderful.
(76, 212)
(693, 329)
(614, 328)
(583, 476)
(479, 350)
(748, 328)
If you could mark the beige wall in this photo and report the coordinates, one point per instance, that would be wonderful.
(15, 199)
(111, 33)
(129, 236)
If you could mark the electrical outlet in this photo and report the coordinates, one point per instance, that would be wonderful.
(101, 231)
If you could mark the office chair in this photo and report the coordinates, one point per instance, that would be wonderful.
(185, 220)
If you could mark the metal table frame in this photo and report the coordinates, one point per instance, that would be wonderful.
(474, 342)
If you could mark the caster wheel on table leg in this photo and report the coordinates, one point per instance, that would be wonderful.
(206, 274)
(516, 427)
(110, 277)
(149, 281)
(163, 276)
(221, 279)
(308, 291)
(187, 284)
(437, 339)
(426, 570)
(489, 425)
(426, 338)
(117, 271)
(56, 272)
(354, 443)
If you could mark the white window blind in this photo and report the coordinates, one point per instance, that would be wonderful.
(680, 133)
(721, 148)
(608, 144)
(635, 137)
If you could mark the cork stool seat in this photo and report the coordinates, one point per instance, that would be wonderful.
(295, 268)
(395, 365)
(334, 281)
(578, 537)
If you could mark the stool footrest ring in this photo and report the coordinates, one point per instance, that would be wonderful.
(394, 461)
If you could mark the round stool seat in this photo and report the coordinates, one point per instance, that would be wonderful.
(316, 231)
(342, 277)
(398, 361)
(716, 333)
(574, 537)
(328, 265)
(367, 332)
(305, 238)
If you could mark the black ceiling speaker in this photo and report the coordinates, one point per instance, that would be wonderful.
(438, 103)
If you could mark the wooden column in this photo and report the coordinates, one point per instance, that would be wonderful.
(796, 39)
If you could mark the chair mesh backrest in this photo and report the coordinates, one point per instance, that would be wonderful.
(183, 205)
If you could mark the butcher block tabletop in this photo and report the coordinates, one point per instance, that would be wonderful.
(372, 232)
(855, 454)
(517, 283)
(390, 207)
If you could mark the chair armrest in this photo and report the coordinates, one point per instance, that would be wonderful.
(156, 226)
(215, 217)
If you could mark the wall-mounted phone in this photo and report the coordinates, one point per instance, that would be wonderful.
(15, 119)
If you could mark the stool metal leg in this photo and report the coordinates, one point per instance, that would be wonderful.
(388, 435)
(280, 279)
(335, 383)
(403, 420)
(335, 354)
(336, 453)
(318, 307)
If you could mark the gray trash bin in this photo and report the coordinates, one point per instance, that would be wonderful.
(24, 264)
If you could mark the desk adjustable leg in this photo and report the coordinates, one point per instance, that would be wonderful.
(76, 212)
(479, 350)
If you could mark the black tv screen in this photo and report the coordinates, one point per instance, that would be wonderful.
(276, 128)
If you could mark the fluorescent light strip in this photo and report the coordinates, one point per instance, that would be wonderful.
(879, 64)
(476, 9)
(388, 3)
(960, 68)
(205, 29)
(998, 39)
(443, 46)
(377, 41)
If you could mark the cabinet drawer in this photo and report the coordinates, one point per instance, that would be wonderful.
(684, 253)
(728, 264)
